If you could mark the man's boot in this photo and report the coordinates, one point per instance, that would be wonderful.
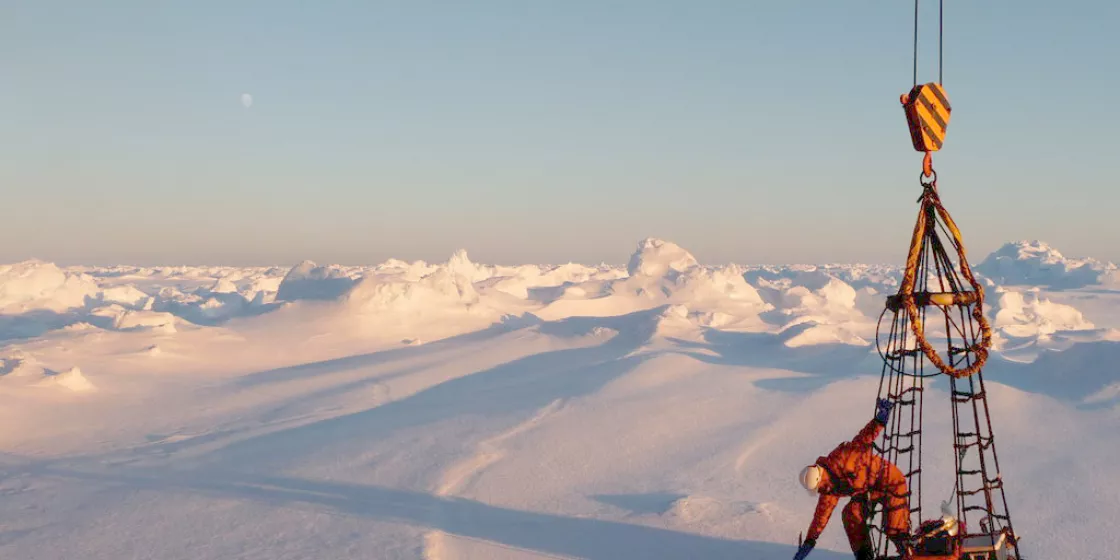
(865, 553)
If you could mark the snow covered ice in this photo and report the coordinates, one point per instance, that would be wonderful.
(655, 409)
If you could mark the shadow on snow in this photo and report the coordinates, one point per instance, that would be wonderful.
(591, 539)
(822, 363)
(524, 385)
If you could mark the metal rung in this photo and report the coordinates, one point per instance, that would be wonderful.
(954, 350)
(983, 442)
(968, 472)
(901, 354)
(895, 440)
(913, 472)
(923, 299)
(909, 434)
(964, 394)
(889, 449)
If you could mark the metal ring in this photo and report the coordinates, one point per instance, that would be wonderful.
(924, 183)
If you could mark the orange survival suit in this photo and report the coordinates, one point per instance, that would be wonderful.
(855, 471)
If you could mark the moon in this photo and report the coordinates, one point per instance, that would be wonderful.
(246, 100)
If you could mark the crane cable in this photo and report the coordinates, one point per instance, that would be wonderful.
(940, 42)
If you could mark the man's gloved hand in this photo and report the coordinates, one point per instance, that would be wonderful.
(804, 550)
(883, 410)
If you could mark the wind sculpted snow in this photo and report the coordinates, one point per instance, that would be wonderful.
(660, 409)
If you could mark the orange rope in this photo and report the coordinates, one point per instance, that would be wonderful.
(909, 279)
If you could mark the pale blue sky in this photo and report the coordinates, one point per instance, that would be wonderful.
(544, 131)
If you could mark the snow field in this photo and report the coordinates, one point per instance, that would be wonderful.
(660, 409)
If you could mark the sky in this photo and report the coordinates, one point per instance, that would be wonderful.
(545, 132)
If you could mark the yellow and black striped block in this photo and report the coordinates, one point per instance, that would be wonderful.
(927, 112)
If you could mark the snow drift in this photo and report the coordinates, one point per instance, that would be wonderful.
(661, 273)
(1028, 314)
(36, 285)
(442, 288)
(306, 280)
(1034, 263)
(71, 379)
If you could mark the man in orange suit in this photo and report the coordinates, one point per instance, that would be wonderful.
(853, 470)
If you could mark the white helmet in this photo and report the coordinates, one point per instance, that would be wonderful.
(811, 478)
